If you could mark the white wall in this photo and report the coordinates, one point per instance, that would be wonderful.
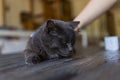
(15, 8)
(1, 13)
(38, 8)
(78, 6)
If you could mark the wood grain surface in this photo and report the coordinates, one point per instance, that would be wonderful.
(92, 63)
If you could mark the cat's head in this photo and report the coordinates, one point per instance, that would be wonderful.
(59, 37)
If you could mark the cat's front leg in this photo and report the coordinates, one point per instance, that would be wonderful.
(32, 58)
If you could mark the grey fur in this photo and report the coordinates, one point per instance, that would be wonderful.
(54, 39)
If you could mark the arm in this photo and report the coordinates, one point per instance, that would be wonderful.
(93, 10)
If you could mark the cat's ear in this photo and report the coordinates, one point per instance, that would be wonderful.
(51, 26)
(50, 23)
(74, 24)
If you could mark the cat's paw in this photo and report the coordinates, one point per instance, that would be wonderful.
(32, 59)
(53, 56)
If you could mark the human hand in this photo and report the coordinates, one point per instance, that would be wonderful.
(77, 28)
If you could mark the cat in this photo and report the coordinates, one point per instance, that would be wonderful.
(53, 39)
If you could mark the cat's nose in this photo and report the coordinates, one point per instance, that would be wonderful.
(71, 50)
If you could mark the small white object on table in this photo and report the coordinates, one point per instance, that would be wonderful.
(111, 43)
(13, 46)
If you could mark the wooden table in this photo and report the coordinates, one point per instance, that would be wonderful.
(90, 64)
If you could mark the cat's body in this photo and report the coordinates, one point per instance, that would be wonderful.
(54, 39)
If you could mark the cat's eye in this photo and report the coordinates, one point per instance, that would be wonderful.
(53, 29)
(53, 33)
(60, 37)
(64, 42)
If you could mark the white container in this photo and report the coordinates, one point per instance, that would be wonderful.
(12, 46)
(111, 43)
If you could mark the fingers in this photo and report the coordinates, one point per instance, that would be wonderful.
(76, 29)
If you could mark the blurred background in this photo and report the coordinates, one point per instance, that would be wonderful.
(19, 18)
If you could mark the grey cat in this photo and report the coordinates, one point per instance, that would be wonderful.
(53, 39)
